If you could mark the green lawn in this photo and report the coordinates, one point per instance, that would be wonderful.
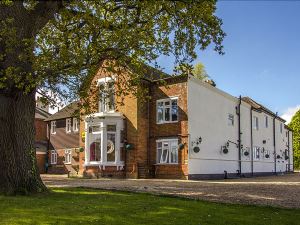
(89, 206)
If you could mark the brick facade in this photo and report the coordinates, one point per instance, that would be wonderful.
(142, 131)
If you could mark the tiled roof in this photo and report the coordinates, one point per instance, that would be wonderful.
(260, 107)
(66, 112)
(41, 114)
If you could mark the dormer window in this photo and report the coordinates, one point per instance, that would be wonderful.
(107, 97)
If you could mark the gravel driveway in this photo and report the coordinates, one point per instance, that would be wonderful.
(281, 190)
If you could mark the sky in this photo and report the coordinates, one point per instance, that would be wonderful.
(262, 50)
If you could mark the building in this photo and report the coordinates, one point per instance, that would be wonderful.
(41, 138)
(63, 148)
(188, 129)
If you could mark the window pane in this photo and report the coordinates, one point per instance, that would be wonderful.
(111, 141)
(167, 114)
(174, 154)
(164, 156)
(160, 110)
(111, 128)
(174, 110)
(95, 150)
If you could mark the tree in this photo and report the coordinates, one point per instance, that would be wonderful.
(200, 73)
(56, 47)
(295, 126)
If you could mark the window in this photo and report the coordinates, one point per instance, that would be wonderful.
(266, 121)
(255, 123)
(281, 128)
(95, 150)
(68, 125)
(230, 119)
(107, 97)
(167, 151)
(68, 156)
(256, 153)
(53, 127)
(53, 157)
(111, 143)
(167, 110)
(75, 124)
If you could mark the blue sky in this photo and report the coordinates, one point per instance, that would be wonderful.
(262, 50)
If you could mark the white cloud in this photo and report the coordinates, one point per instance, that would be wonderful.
(289, 113)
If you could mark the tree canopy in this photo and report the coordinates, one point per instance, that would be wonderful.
(66, 45)
(295, 126)
(55, 47)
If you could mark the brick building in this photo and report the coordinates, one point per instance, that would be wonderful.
(188, 129)
(41, 138)
(63, 149)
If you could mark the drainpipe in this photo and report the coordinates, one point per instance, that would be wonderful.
(148, 136)
(274, 143)
(251, 140)
(239, 135)
(289, 167)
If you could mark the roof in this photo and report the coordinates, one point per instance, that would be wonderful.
(41, 114)
(66, 112)
(260, 107)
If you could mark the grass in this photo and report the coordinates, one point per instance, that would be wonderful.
(90, 206)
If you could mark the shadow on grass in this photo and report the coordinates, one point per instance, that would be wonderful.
(92, 206)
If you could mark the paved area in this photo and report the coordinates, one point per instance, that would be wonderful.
(281, 190)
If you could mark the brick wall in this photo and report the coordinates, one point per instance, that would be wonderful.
(142, 131)
(40, 130)
(175, 87)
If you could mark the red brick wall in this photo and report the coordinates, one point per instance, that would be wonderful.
(140, 118)
(176, 87)
(60, 167)
(40, 130)
(41, 159)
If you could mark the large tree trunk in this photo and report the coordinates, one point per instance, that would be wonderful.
(18, 167)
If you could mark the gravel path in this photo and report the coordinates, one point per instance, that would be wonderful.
(282, 191)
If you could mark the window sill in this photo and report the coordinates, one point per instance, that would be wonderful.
(166, 164)
(167, 122)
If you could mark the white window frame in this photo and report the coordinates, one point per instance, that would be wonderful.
(255, 123)
(68, 156)
(163, 101)
(68, 125)
(75, 124)
(230, 119)
(53, 157)
(53, 127)
(172, 143)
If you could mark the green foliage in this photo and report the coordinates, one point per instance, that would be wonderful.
(200, 72)
(295, 126)
(88, 206)
(59, 51)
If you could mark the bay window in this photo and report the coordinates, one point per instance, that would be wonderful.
(167, 151)
(167, 110)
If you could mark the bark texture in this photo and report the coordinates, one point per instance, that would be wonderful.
(18, 167)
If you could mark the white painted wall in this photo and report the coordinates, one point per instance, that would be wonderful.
(208, 110)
